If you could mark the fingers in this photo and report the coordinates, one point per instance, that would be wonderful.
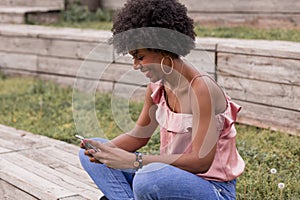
(90, 153)
(87, 153)
(98, 145)
(93, 159)
(82, 145)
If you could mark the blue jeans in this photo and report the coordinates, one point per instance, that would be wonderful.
(155, 181)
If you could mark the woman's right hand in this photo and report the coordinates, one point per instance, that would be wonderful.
(87, 153)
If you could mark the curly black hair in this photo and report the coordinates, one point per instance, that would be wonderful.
(159, 25)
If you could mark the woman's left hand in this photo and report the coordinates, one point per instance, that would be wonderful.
(110, 156)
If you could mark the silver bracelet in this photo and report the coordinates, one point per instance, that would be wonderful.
(138, 163)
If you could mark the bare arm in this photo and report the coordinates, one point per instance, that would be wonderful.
(204, 133)
(141, 133)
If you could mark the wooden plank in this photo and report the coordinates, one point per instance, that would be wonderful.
(11, 134)
(17, 72)
(288, 6)
(258, 20)
(73, 34)
(57, 48)
(10, 192)
(277, 49)
(12, 18)
(19, 143)
(61, 80)
(37, 155)
(58, 4)
(73, 67)
(95, 51)
(205, 44)
(81, 84)
(58, 66)
(77, 197)
(28, 45)
(202, 60)
(62, 48)
(39, 162)
(27, 181)
(4, 150)
(50, 174)
(93, 70)
(17, 61)
(269, 69)
(269, 117)
(68, 158)
(122, 73)
(272, 94)
(17, 139)
(225, 6)
(73, 170)
(115, 4)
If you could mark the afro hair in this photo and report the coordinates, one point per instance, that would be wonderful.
(159, 25)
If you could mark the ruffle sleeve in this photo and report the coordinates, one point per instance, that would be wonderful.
(229, 118)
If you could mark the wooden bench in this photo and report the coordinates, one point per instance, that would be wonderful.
(38, 167)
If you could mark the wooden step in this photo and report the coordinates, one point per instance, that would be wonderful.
(37, 167)
(55, 4)
(18, 15)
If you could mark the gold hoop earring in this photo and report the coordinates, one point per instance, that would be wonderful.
(162, 67)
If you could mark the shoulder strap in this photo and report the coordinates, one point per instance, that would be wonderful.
(201, 75)
(195, 77)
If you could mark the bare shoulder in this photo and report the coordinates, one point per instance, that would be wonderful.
(204, 88)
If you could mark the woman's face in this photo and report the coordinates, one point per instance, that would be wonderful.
(148, 62)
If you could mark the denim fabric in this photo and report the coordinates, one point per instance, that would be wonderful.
(155, 181)
(114, 184)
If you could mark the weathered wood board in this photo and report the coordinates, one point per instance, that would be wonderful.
(41, 168)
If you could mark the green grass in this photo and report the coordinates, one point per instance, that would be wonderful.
(219, 32)
(249, 33)
(83, 25)
(78, 16)
(46, 108)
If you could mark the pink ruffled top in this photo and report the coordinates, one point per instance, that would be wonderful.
(176, 136)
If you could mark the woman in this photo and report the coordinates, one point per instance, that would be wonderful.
(198, 157)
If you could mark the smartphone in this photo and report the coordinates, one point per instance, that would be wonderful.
(86, 144)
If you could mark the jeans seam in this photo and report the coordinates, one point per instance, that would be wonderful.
(128, 195)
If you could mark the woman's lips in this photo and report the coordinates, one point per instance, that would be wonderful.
(147, 73)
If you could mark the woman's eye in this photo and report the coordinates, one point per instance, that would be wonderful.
(138, 58)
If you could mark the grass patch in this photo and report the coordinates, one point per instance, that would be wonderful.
(262, 150)
(218, 32)
(249, 33)
(46, 108)
(78, 16)
(83, 25)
